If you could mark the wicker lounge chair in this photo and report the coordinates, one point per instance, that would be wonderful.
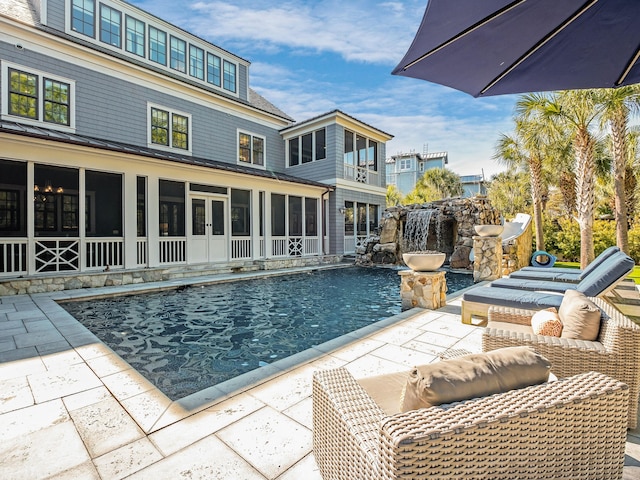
(616, 351)
(571, 428)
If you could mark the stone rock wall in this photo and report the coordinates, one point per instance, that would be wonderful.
(457, 217)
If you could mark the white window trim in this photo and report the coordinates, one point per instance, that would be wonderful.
(264, 152)
(4, 113)
(169, 148)
(170, 30)
(313, 147)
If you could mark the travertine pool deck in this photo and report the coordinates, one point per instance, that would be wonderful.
(72, 409)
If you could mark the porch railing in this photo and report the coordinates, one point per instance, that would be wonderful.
(240, 248)
(142, 258)
(103, 253)
(173, 250)
(57, 255)
(13, 256)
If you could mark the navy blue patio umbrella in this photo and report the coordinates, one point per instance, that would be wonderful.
(495, 47)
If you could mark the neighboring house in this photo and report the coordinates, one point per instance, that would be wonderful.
(473, 185)
(404, 169)
(127, 142)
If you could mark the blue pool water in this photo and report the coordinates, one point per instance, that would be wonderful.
(186, 340)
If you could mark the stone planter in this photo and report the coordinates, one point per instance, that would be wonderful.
(423, 262)
(488, 230)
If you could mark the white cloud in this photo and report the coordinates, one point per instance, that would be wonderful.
(358, 30)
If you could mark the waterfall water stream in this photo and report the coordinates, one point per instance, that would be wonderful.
(416, 231)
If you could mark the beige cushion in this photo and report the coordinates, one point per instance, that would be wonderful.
(385, 390)
(475, 375)
(546, 322)
(580, 317)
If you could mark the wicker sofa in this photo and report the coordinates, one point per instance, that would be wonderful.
(571, 428)
(616, 351)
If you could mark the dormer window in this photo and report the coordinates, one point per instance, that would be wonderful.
(178, 54)
(83, 17)
(135, 36)
(110, 26)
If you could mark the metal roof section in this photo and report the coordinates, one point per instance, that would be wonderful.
(80, 140)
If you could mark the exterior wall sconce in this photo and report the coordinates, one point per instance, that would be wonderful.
(341, 210)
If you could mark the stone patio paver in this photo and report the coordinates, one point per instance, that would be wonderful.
(269, 440)
(72, 409)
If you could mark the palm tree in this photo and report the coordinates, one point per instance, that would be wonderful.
(435, 184)
(509, 192)
(617, 106)
(577, 110)
(394, 197)
(527, 149)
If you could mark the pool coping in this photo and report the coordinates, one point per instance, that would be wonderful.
(147, 405)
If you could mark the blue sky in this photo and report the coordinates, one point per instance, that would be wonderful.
(311, 57)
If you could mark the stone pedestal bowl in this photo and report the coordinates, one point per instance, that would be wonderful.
(488, 230)
(423, 262)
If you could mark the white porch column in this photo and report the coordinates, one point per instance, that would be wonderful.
(153, 220)
(82, 214)
(255, 224)
(31, 244)
(268, 247)
(130, 220)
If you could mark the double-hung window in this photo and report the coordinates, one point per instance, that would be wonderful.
(36, 96)
(251, 149)
(83, 17)
(213, 69)
(110, 24)
(196, 62)
(157, 46)
(169, 129)
(178, 56)
(229, 76)
(135, 36)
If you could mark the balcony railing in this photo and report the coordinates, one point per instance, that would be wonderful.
(361, 174)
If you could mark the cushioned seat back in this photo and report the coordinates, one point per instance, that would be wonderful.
(607, 274)
(606, 254)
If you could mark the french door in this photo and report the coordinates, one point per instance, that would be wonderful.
(208, 239)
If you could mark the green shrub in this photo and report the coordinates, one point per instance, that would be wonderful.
(564, 238)
(634, 243)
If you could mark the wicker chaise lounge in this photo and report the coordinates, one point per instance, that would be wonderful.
(572, 428)
(616, 351)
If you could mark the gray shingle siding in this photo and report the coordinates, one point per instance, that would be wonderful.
(322, 170)
(243, 82)
(55, 15)
(113, 108)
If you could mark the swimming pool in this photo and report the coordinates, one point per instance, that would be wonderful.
(189, 339)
